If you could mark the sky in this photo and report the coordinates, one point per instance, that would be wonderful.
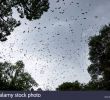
(55, 48)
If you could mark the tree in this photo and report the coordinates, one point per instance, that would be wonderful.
(13, 77)
(68, 86)
(31, 9)
(99, 47)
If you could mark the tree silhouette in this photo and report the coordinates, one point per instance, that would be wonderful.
(30, 9)
(99, 47)
(68, 86)
(13, 77)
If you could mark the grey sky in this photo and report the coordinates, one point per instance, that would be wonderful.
(56, 50)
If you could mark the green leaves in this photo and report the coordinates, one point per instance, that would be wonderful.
(13, 77)
(99, 47)
(68, 86)
(31, 9)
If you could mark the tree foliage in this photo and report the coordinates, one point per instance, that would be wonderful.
(99, 47)
(13, 77)
(30, 9)
(70, 86)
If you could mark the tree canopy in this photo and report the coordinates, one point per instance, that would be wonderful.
(99, 47)
(70, 86)
(13, 77)
(30, 9)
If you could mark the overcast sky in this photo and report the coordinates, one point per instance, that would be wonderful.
(54, 48)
